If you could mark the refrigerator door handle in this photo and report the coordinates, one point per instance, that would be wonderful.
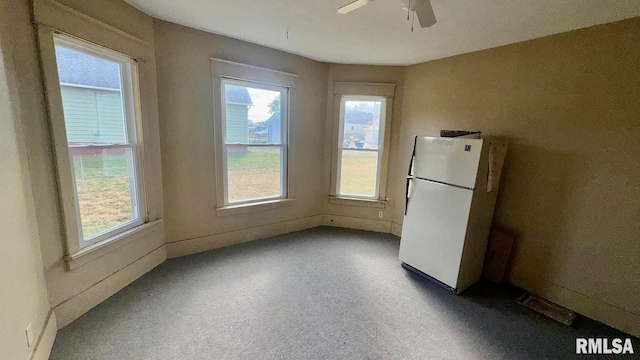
(413, 156)
(406, 203)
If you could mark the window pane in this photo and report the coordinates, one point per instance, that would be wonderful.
(91, 98)
(104, 182)
(253, 172)
(96, 89)
(252, 115)
(358, 173)
(362, 124)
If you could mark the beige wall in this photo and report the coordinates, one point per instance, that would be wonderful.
(186, 119)
(569, 105)
(72, 293)
(347, 215)
(23, 292)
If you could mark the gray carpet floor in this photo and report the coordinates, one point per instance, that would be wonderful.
(323, 293)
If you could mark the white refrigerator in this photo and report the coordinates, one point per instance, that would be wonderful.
(451, 193)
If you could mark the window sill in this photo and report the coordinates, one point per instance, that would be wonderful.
(106, 246)
(252, 207)
(342, 200)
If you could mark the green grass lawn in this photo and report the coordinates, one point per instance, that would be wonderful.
(358, 173)
(254, 173)
(104, 196)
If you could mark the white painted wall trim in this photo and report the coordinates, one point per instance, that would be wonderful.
(61, 18)
(222, 71)
(253, 207)
(252, 73)
(46, 339)
(341, 92)
(372, 89)
(382, 226)
(100, 249)
(216, 241)
(343, 200)
(84, 301)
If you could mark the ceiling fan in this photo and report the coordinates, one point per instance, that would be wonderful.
(420, 8)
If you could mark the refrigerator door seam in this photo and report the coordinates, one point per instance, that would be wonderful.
(443, 183)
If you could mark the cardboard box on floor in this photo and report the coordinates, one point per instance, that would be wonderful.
(497, 255)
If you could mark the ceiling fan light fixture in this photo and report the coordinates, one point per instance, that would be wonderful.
(410, 5)
(420, 9)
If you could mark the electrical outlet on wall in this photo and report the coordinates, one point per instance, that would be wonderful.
(29, 332)
(380, 214)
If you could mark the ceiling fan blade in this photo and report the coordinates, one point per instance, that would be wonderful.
(425, 14)
(353, 6)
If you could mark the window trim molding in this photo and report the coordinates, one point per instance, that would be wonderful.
(379, 151)
(240, 71)
(345, 200)
(341, 89)
(223, 70)
(284, 91)
(364, 89)
(51, 19)
(56, 17)
(245, 208)
(128, 68)
(99, 249)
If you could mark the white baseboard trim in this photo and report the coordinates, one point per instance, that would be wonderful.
(348, 222)
(585, 305)
(396, 229)
(46, 339)
(73, 308)
(216, 241)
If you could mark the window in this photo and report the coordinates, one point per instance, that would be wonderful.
(99, 107)
(362, 112)
(361, 123)
(253, 130)
(254, 125)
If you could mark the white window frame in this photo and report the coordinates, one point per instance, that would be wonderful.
(381, 146)
(344, 92)
(284, 121)
(224, 71)
(76, 243)
(128, 77)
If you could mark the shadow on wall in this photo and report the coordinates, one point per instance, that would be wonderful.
(533, 204)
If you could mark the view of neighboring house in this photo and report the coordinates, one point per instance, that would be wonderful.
(273, 129)
(371, 135)
(91, 98)
(354, 123)
(238, 102)
(362, 126)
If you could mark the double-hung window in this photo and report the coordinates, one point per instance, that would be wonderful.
(361, 130)
(254, 126)
(103, 172)
(361, 142)
(252, 133)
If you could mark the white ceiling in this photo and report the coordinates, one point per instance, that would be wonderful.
(379, 32)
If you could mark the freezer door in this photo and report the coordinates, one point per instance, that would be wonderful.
(434, 228)
(448, 160)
